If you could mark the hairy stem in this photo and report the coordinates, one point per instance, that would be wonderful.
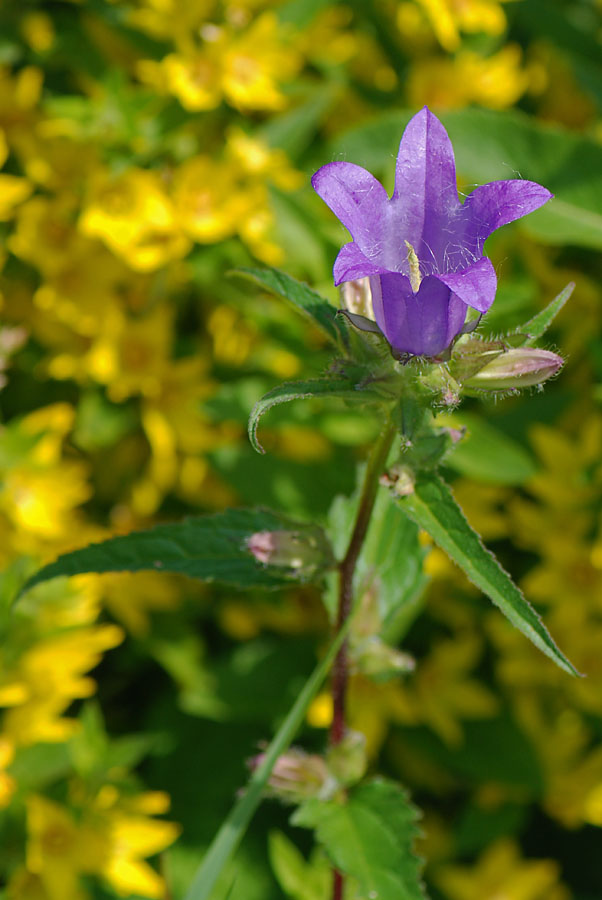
(340, 672)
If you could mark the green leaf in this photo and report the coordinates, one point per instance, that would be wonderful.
(235, 824)
(211, 548)
(433, 507)
(345, 388)
(539, 324)
(487, 454)
(370, 836)
(391, 564)
(299, 878)
(323, 313)
(491, 145)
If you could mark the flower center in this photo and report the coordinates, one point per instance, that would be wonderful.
(415, 277)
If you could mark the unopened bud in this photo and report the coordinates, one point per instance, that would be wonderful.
(378, 661)
(400, 479)
(305, 551)
(519, 367)
(347, 760)
(296, 775)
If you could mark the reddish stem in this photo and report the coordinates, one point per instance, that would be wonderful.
(340, 672)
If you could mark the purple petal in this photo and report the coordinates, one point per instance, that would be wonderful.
(422, 324)
(351, 264)
(475, 285)
(357, 199)
(492, 205)
(425, 196)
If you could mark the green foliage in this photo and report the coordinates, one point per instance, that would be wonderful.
(338, 387)
(317, 308)
(370, 835)
(536, 327)
(433, 507)
(211, 548)
(487, 454)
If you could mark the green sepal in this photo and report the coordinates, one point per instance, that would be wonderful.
(539, 324)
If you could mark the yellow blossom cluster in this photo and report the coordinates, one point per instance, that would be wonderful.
(147, 147)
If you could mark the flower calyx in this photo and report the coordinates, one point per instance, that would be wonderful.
(305, 551)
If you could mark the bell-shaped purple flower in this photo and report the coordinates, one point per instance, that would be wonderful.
(421, 248)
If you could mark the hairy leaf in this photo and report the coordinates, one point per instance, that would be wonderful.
(433, 507)
(370, 836)
(211, 548)
(323, 313)
(539, 324)
(346, 388)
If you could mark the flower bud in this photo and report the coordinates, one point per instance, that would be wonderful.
(379, 661)
(347, 760)
(519, 367)
(296, 775)
(305, 551)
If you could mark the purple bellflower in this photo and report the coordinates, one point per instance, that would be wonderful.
(421, 248)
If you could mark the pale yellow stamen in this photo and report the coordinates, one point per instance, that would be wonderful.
(415, 277)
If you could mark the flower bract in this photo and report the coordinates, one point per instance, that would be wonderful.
(422, 248)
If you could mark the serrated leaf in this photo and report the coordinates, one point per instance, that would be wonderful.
(344, 388)
(433, 507)
(211, 548)
(370, 836)
(539, 324)
(323, 313)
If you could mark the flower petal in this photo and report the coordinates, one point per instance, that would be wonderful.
(425, 196)
(357, 199)
(422, 324)
(495, 204)
(351, 264)
(476, 285)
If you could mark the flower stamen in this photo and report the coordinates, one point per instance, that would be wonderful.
(415, 276)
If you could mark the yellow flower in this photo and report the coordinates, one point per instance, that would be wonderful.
(449, 17)
(254, 63)
(501, 874)
(7, 782)
(47, 678)
(497, 81)
(110, 839)
(41, 490)
(440, 692)
(13, 189)
(208, 199)
(194, 78)
(133, 215)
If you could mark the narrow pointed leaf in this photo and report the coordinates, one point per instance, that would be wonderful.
(433, 507)
(370, 836)
(539, 324)
(323, 313)
(234, 826)
(211, 548)
(344, 388)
